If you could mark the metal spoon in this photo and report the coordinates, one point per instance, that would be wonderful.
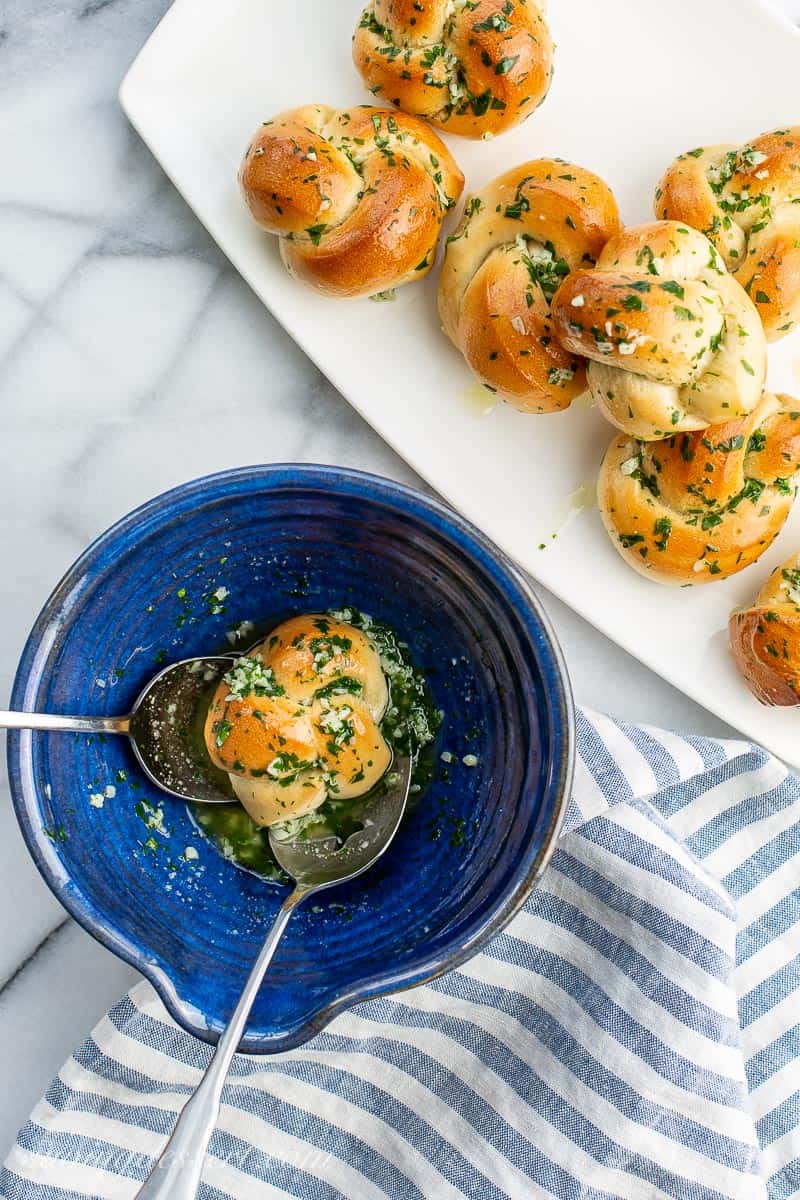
(313, 865)
(163, 710)
(157, 727)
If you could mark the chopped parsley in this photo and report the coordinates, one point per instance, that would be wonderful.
(662, 530)
(249, 677)
(222, 731)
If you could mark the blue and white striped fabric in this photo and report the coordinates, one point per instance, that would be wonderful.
(634, 1033)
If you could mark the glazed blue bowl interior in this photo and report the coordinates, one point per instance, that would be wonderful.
(283, 540)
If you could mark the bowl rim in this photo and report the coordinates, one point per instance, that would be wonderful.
(557, 785)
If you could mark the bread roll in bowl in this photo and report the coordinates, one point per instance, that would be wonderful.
(475, 68)
(518, 238)
(674, 341)
(701, 506)
(746, 199)
(357, 196)
(765, 638)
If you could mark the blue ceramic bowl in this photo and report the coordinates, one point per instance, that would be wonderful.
(287, 539)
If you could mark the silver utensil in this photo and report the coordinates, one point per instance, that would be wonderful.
(314, 865)
(156, 727)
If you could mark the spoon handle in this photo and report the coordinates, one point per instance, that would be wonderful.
(176, 1173)
(35, 720)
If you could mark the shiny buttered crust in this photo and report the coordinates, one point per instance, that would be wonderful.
(746, 199)
(674, 341)
(701, 506)
(314, 651)
(256, 735)
(474, 69)
(356, 196)
(765, 639)
(517, 240)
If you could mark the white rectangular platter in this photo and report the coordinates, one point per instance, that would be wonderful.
(637, 82)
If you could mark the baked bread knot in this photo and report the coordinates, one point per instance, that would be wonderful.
(517, 240)
(701, 506)
(765, 638)
(746, 199)
(674, 341)
(473, 67)
(356, 196)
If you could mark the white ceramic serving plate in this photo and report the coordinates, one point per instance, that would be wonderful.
(637, 82)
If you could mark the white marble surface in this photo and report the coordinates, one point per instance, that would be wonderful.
(125, 338)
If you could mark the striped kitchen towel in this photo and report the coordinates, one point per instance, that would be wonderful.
(634, 1033)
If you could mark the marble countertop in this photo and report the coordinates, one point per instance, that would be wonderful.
(125, 337)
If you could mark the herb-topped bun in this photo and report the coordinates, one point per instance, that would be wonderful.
(746, 199)
(316, 656)
(765, 639)
(357, 196)
(518, 239)
(473, 67)
(701, 506)
(674, 341)
(295, 722)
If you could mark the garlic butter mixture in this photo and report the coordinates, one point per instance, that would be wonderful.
(305, 727)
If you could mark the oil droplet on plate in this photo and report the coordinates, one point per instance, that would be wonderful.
(582, 497)
(480, 401)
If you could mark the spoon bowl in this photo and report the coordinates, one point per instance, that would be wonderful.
(322, 862)
(160, 725)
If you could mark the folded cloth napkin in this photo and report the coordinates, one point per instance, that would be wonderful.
(633, 1033)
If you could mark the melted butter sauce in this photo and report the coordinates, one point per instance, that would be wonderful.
(582, 497)
(479, 400)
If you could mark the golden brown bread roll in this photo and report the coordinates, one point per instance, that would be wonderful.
(356, 196)
(746, 199)
(296, 720)
(675, 343)
(765, 639)
(704, 505)
(518, 237)
(475, 68)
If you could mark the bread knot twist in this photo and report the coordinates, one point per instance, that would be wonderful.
(765, 638)
(472, 67)
(518, 238)
(357, 196)
(674, 341)
(704, 505)
(746, 199)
